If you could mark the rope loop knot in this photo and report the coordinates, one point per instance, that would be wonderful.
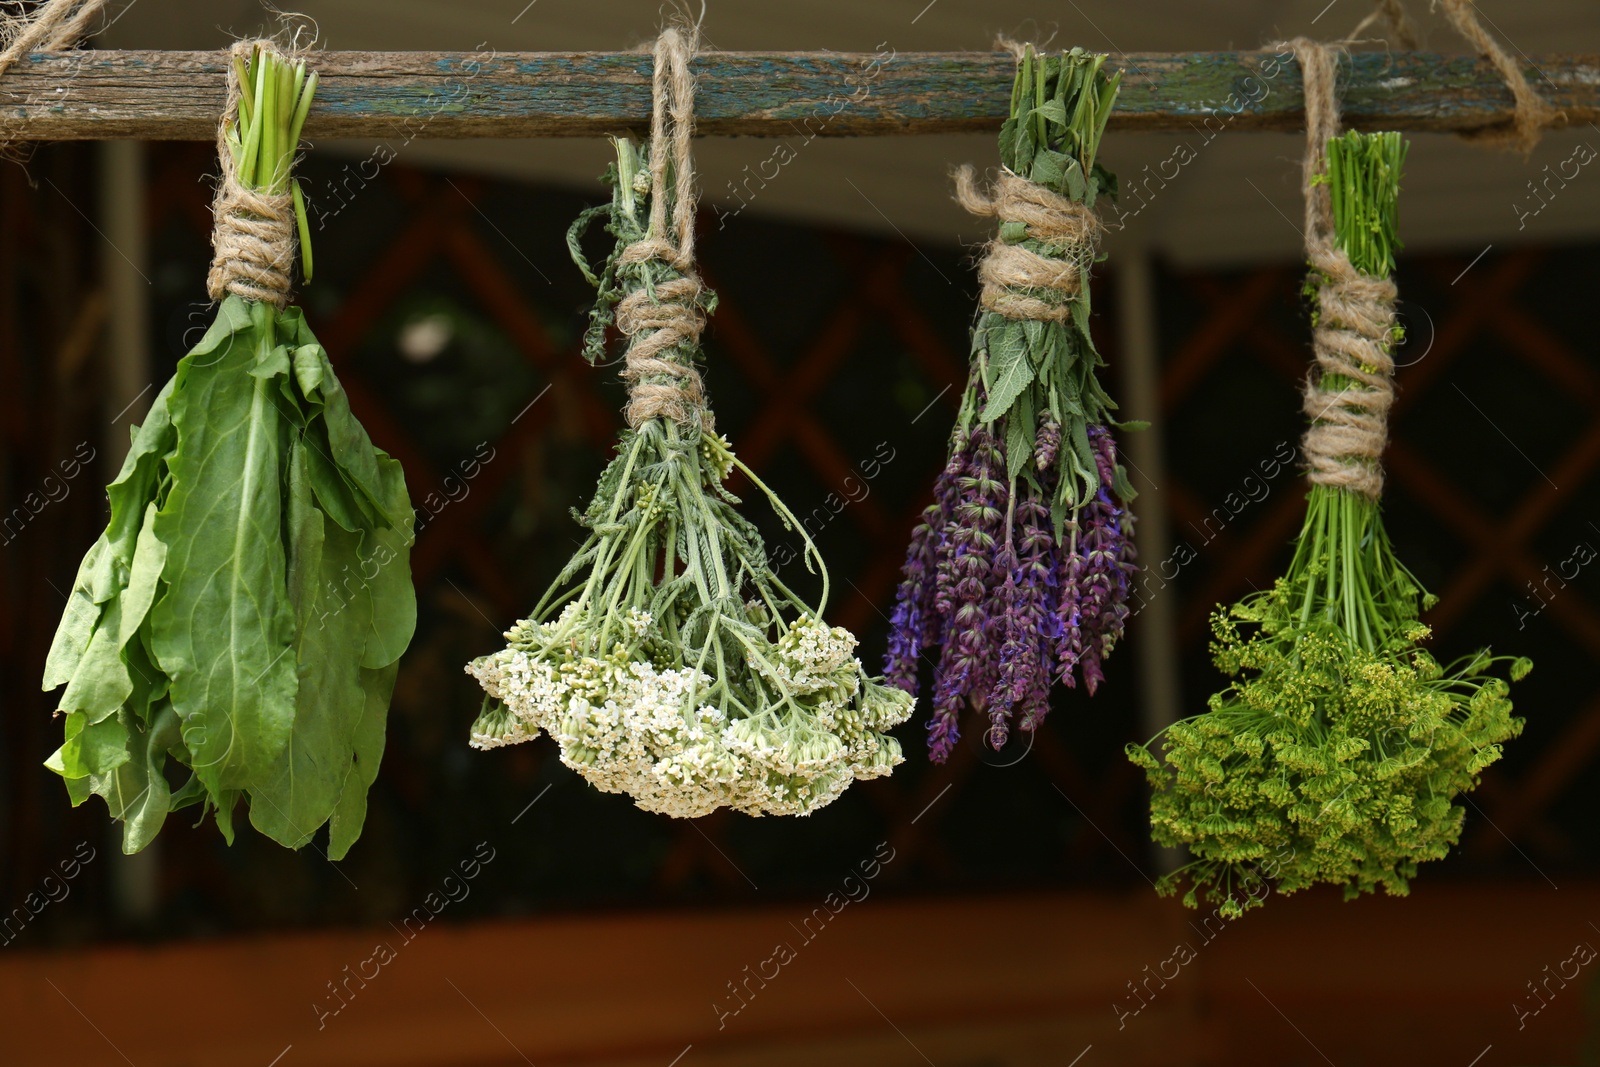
(1019, 282)
(663, 322)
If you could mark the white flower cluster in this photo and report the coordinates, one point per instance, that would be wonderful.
(629, 727)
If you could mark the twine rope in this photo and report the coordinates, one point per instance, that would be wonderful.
(1534, 114)
(668, 315)
(56, 26)
(1349, 420)
(1011, 274)
(253, 232)
(53, 26)
(1393, 13)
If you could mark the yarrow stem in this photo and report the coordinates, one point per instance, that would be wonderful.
(1021, 568)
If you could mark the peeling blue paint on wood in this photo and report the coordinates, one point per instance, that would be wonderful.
(178, 95)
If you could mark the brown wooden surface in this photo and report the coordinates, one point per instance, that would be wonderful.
(170, 95)
(1020, 980)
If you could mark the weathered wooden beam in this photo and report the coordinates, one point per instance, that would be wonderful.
(96, 95)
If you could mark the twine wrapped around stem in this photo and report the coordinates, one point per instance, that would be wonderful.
(1349, 398)
(1011, 274)
(661, 318)
(253, 231)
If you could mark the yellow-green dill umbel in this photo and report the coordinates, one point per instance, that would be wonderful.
(1338, 748)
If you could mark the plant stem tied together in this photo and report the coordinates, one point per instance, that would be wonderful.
(668, 319)
(1010, 273)
(1349, 398)
(253, 223)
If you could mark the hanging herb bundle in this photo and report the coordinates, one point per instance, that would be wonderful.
(1334, 754)
(244, 611)
(667, 660)
(1020, 570)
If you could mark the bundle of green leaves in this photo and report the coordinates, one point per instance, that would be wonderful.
(245, 609)
(1339, 746)
(663, 659)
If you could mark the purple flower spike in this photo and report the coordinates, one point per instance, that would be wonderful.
(1069, 645)
(1011, 609)
(1010, 628)
(913, 605)
(1047, 443)
(1037, 576)
(944, 728)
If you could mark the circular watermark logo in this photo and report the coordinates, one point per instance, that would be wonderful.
(995, 751)
(1419, 333)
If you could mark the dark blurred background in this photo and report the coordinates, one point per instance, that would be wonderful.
(448, 304)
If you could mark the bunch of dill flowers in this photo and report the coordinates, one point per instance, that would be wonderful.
(1341, 742)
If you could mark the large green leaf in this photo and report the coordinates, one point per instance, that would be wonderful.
(142, 470)
(304, 525)
(136, 791)
(100, 681)
(346, 469)
(224, 803)
(104, 570)
(150, 683)
(90, 748)
(343, 501)
(227, 616)
(222, 632)
(298, 796)
(386, 572)
(351, 813)
(191, 792)
(144, 575)
(78, 621)
(369, 468)
(236, 317)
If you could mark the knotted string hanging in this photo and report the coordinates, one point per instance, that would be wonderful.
(1533, 114)
(253, 230)
(1020, 572)
(1349, 397)
(270, 687)
(668, 660)
(54, 26)
(1400, 24)
(665, 322)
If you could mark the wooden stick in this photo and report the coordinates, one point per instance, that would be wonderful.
(150, 95)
